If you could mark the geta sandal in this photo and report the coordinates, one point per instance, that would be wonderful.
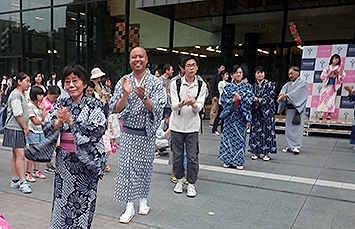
(125, 221)
(144, 211)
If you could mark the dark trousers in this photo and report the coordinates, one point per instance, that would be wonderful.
(216, 120)
(178, 140)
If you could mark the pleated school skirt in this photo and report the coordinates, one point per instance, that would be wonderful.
(14, 138)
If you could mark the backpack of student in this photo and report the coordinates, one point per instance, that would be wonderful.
(3, 117)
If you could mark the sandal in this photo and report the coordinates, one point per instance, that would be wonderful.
(173, 179)
(157, 154)
(125, 219)
(107, 168)
(144, 211)
(184, 180)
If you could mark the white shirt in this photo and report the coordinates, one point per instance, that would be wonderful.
(34, 111)
(188, 119)
(221, 85)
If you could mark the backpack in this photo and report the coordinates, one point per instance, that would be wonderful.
(178, 86)
(3, 117)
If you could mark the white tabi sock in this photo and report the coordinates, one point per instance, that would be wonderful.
(129, 209)
(142, 203)
(127, 216)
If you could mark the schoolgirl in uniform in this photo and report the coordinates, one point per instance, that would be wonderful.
(16, 129)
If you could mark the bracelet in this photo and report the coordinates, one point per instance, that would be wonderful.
(144, 98)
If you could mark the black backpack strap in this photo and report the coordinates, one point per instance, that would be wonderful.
(178, 86)
(199, 83)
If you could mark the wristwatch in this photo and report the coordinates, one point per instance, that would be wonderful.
(144, 98)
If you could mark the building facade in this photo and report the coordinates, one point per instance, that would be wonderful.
(45, 35)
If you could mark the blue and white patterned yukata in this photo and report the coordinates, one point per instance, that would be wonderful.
(262, 138)
(77, 174)
(136, 156)
(232, 148)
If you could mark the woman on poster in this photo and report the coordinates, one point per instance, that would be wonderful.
(332, 77)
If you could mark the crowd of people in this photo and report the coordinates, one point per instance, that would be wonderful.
(143, 116)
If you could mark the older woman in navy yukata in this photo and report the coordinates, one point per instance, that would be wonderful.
(81, 155)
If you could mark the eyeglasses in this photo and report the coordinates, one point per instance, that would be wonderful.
(190, 66)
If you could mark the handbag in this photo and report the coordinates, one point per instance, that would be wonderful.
(296, 119)
(42, 152)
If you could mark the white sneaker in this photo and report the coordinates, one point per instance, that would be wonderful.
(216, 133)
(285, 150)
(254, 157)
(191, 191)
(15, 184)
(266, 158)
(178, 187)
(39, 175)
(30, 178)
(240, 167)
(295, 150)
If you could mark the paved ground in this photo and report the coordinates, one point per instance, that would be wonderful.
(315, 189)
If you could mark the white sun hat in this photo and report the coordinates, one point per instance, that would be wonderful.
(96, 73)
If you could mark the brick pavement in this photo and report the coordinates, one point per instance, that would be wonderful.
(33, 213)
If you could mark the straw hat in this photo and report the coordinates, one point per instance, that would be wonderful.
(96, 73)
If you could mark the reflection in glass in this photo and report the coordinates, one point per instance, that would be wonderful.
(37, 38)
(59, 18)
(9, 5)
(31, 4)
(60, 2)
(38, 20)
(10, 34)
(14, 17)
(70, 35)
(10, 45)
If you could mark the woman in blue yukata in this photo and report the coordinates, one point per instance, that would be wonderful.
(236, 100)
(80, 158)
(262, 138)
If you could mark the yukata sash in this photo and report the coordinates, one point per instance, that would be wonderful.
(338, 81)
